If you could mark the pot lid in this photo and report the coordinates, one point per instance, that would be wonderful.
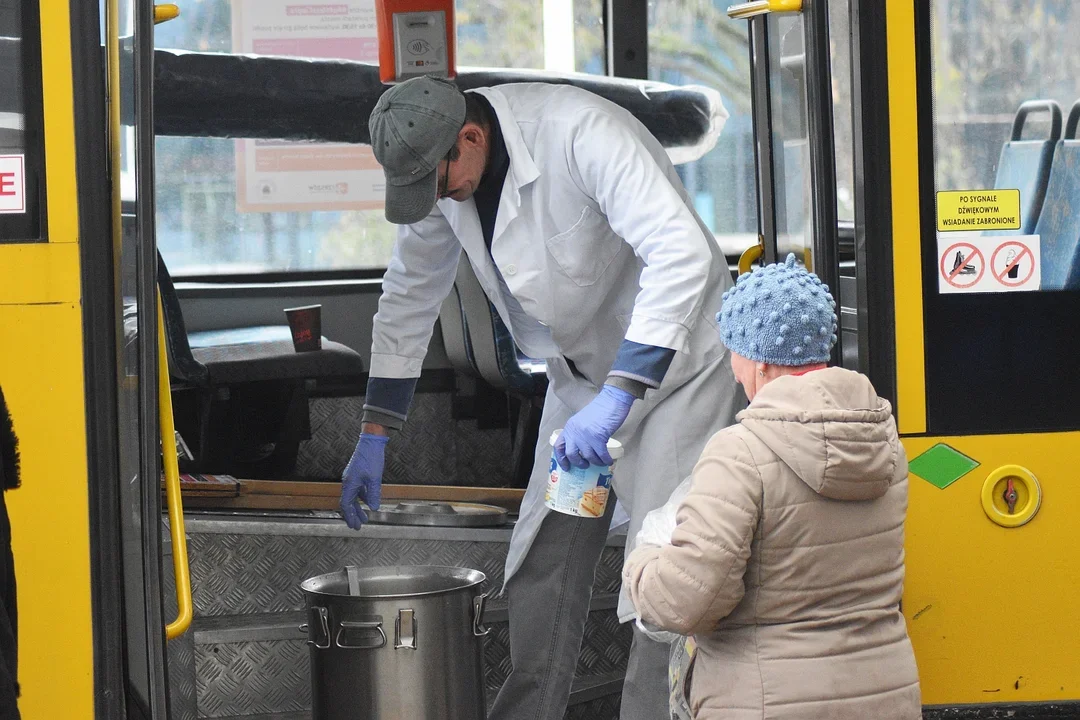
(437, 514)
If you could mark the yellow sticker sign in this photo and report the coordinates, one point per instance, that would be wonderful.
(978, 210)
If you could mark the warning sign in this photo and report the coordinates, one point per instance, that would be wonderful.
(988, 264)
(978, 210)
(962, 267)
(1015, 263)
(12, 184)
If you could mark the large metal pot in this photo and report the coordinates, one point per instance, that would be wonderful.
(396, 643)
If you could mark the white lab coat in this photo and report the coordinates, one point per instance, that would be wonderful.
(595, 240)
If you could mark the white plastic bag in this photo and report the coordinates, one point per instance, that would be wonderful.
(656, 529)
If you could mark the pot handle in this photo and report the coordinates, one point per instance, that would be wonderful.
(478, 628)
(365, 625)
(324, 625)
(405, 630)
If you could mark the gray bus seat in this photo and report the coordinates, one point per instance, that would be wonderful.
(1025, 164)
(1059, 222)
(479, 343)
(238, 355)
(240, 336)
(241, 403)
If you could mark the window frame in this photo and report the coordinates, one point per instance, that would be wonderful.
(33, 136)
(1022, 380)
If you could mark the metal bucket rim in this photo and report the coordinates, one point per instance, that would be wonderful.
(477, 578)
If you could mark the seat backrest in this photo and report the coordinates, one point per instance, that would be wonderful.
(1059, 223)
(182, 364)
(478, 342)
(1026, 164)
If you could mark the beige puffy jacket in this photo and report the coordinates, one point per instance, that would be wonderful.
(787, 564)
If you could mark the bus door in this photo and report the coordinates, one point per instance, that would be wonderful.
(793, 135)
(987, 291)
(967, 275)
(78, 365)
(154, 624)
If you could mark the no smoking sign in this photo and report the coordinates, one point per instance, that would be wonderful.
(978, 264)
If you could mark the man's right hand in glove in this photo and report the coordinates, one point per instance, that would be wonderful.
(362, 479)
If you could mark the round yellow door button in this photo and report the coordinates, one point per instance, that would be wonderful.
(1011, 496)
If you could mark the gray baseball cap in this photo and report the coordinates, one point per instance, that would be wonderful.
(413, 127)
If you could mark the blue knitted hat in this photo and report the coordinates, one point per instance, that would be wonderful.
(781, 315)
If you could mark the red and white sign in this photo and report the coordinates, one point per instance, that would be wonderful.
(962, 267)
(978, 264)
(12, 184)
(1015, 264)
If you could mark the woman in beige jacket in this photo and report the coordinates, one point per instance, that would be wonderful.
(787, 561)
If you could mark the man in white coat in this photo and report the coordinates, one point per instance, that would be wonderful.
(587, 244)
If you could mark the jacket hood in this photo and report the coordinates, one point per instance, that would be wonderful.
(831, 428)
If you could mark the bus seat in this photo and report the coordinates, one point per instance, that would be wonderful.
(1025, 164)
(1059, 223)
(479, 344)
(242, 401)
(237, 355)
(240, 336)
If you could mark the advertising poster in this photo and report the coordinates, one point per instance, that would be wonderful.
(274, 176)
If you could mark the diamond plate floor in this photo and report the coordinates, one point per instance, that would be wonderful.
(181, 654)
(424, 453)
(253, 677)
(239, 574)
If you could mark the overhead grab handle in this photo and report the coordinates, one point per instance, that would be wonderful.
(745, 11)
(165, 13)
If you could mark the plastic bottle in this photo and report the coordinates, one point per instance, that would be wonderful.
(581, 491)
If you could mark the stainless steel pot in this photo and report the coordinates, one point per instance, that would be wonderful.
(396, 643)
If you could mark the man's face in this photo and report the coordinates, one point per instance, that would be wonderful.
(459, 178)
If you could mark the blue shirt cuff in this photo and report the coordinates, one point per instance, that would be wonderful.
(645, 363)
(390, 395)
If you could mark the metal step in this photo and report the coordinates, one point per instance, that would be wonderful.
(591, 699)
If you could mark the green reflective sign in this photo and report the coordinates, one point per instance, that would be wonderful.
(941, 465)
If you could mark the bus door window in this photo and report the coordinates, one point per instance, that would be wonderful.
(1001, 222)
(22, 156)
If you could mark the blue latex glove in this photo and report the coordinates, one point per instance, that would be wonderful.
(362, 479)
(584, 439)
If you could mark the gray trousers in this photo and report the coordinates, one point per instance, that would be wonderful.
(548, 604)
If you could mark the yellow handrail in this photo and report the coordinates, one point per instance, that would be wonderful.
(165, 13)
(181, 571)
(750, 256)
(747, 10)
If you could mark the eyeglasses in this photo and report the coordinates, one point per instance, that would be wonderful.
(444, 181)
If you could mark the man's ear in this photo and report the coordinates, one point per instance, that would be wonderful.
(472, 134)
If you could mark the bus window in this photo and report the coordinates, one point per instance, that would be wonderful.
(844, 145)
(1006, 161)
(22, 156)
(243, 207)
(697, 44)
(1000, 214)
